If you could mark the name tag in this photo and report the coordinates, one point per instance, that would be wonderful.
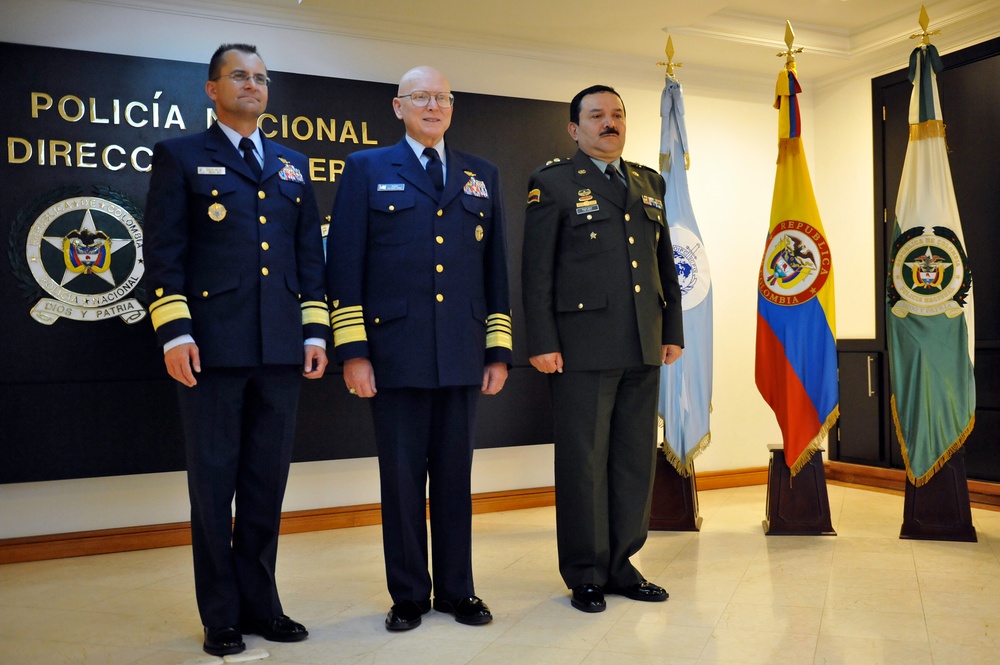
(391, 187)
(211, 170)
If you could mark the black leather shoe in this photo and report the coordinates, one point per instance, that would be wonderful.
(645, 591)
(279, 629)
(588, 598)
(406, 615)
(471, 611)
(223, 641)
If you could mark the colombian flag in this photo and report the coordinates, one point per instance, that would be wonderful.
(796, 361)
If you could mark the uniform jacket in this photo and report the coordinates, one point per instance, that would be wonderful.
(417, 284)
(235, 263)
(597, 277)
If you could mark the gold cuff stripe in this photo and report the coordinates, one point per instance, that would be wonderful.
(499, 320)
(499, 331)
(315, 311)
(348, 334)
(348, 325)
(501, 339)
(168, 309)
(169, 312)
(348, 312)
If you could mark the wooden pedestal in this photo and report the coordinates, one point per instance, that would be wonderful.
(675, 499)
(940, 509)
(797, 506)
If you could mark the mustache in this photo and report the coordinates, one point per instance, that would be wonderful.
(609, 131)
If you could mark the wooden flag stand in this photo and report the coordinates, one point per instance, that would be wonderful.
(940, 509)
(797, 506)
(675, 499)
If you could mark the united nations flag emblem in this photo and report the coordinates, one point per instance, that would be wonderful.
(930, 273)
(83, 250)
(691, 260)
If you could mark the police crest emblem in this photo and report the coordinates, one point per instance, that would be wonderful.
(930, 273)
(83, 250)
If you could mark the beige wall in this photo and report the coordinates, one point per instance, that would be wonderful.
(732, 133)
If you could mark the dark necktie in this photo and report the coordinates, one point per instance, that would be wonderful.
(246, 145)
(434, 168)
(621, 189)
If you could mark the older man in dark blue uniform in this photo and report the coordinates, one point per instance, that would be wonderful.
(234, 256)
(417, 279)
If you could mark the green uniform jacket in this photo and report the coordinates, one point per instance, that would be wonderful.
(599, 281)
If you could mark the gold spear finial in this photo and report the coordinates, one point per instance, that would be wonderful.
(924, 35)
(789, 54)
(670, 64)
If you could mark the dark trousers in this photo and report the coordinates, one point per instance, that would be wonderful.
(426, 435)
(239, 425)
(605, 447)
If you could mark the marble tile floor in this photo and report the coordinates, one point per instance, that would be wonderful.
(862, 597)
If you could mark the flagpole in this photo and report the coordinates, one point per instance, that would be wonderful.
(685, 385)
(929, 299)
(796, 355)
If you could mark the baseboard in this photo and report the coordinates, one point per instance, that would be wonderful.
(982, 494)
(106, 541)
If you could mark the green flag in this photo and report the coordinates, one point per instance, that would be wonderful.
(929, 312)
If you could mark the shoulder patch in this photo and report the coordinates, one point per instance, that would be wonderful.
(556, 161)
(534, 196)
(640, 166)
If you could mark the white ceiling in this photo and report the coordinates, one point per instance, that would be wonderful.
(840, 37)
(712, 38)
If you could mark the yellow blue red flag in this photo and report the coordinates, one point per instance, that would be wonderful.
(796, 358)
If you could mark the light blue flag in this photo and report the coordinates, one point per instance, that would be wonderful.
(686, 385)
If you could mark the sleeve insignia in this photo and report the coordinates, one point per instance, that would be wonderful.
(534, 196)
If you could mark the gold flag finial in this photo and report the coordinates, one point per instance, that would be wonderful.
(789, 54)
(670, 64)
(924, 35)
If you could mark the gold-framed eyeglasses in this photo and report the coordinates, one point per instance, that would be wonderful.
(421, 98)
(241, 77)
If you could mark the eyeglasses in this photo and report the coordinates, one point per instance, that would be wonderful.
(240, 76)
(421, 98)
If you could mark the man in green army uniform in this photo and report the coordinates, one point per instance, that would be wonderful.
(603, 312)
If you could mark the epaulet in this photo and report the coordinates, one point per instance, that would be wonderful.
(556, 161)
(640, 166)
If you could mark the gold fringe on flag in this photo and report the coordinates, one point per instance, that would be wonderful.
(929, 129)
(945, 456)
(816, 442)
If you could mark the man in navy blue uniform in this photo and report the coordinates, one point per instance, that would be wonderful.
(234, 257)
(420, 306)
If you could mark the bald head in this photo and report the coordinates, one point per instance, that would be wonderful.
(425, 124)
(418, 77)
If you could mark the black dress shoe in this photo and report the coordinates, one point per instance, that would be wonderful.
(645, 591)
(223, 641)
(406, 615)
(471, 611)
(588, 598)
(279, 629)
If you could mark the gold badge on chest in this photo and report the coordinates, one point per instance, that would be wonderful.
(217, 212)
(479, 234)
